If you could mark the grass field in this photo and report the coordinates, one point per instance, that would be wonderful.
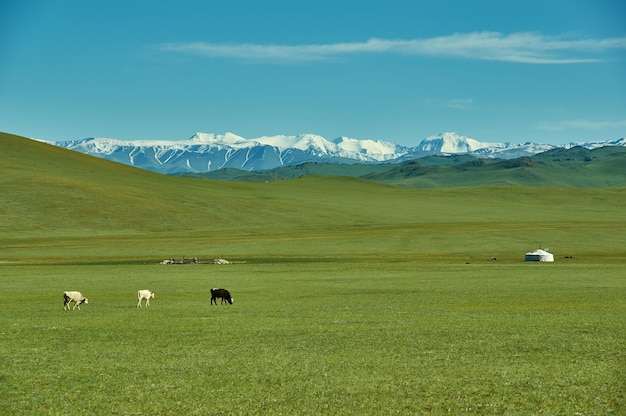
(351, 297)
(358, 337)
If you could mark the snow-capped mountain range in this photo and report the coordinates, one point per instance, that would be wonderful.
(209, 152)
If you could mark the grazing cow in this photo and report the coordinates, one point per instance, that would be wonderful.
(76, 297)
(144, 294)
(220, 293)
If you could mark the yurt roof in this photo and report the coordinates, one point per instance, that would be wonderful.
(539, 252)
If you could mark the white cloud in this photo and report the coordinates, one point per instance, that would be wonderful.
(456, 103)
(582, 125)
(523, 47)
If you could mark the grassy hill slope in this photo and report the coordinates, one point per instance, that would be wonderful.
(290, 172)
(575, 167)
(58, 204)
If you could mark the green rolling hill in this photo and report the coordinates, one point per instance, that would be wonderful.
(576, 167)
(59, 205)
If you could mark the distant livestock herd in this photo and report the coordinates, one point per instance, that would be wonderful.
(79, 299)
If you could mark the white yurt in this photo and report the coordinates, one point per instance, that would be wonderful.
(539, 255)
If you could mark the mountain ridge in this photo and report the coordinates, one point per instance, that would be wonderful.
(576, 167)
(206, 152)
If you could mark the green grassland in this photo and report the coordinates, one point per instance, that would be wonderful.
(316, 338)
(576, 167)
(351, 297)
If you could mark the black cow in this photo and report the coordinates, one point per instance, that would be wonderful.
(220, 293)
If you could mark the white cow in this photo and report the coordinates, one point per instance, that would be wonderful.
(144, 294)
(72, 296)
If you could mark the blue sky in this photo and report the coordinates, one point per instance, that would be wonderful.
(549, 71)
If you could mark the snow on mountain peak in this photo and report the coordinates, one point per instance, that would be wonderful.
(300, 142)
(378, 149)
(373, 150)
(212, 138)
(315, 142)
(450, 142)
(595, 145)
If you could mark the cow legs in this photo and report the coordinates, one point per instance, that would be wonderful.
(139, 303)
